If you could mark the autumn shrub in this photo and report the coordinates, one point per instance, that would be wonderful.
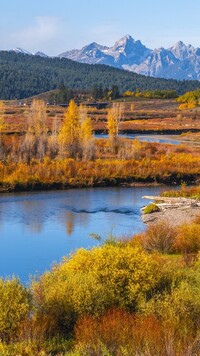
(186, 192)
(120, 333)
(64, 299)
(159, 236)
(135, 162)
(14, 308)
(55, 346)
(179, 310)
(197, 219)
(90, 282)
(188, 239)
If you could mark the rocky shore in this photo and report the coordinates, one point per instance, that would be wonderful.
(175, 210)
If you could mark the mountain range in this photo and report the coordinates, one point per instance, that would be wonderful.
(24, 75)
(178, 62)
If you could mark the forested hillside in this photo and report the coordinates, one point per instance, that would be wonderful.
(22, 76)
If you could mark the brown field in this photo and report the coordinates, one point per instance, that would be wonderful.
(139, 116)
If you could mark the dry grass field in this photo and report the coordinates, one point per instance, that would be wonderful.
(139, 116)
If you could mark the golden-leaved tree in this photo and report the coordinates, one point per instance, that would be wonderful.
(76, 131)
(113, 120)
(70, 131)
(35, 140)
(86, 138)
(37, 118)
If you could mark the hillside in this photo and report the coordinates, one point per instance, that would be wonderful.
(26, 75)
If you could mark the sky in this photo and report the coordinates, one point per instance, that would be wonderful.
(55, 26)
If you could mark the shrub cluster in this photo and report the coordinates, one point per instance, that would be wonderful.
(122, 298)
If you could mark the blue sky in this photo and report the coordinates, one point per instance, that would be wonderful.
(54, 26)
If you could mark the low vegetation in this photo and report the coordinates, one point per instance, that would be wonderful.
(151, 94)
(192, 192)
(189, 100)
(66, 154)
(143, 301)
(151, 208)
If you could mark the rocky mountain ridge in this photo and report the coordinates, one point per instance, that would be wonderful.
(178, 62)
(181, 61)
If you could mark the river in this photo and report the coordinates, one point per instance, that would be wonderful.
(147, 138)
(38, 229)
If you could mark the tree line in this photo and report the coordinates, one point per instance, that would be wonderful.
(23, 76)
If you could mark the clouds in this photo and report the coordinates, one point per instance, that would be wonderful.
(54, 27)
(42, 34)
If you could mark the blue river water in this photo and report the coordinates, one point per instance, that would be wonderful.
(38, 229)
(147, 138)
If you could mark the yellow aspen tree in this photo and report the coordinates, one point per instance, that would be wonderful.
(53, 139)
(113, 120)
(82, 110)
(70, 129)
(34, 144)
(86, 139)
(86, 129)
(37, 118)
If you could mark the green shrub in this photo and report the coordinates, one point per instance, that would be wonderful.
(151, 208)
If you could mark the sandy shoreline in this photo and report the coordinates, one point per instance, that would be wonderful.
(176, 210)
(174, 216)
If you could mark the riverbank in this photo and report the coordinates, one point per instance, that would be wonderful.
(93, 182)
(176, 211)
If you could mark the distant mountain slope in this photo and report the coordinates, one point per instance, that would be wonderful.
(24, 51)
(178, 62)
(23, 75)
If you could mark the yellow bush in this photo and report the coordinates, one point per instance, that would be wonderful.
(91, 281)
(14, 307)
(188, 238)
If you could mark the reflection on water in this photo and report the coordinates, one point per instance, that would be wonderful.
(37, 229)
(70, 222)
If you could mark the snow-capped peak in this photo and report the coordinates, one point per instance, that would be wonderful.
(180, 50)
(41, 54)
(122, 43)
(21, 50)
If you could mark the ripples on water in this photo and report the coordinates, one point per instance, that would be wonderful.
(37, 229)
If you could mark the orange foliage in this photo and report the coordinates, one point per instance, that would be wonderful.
(119, 330)
(145, 163)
